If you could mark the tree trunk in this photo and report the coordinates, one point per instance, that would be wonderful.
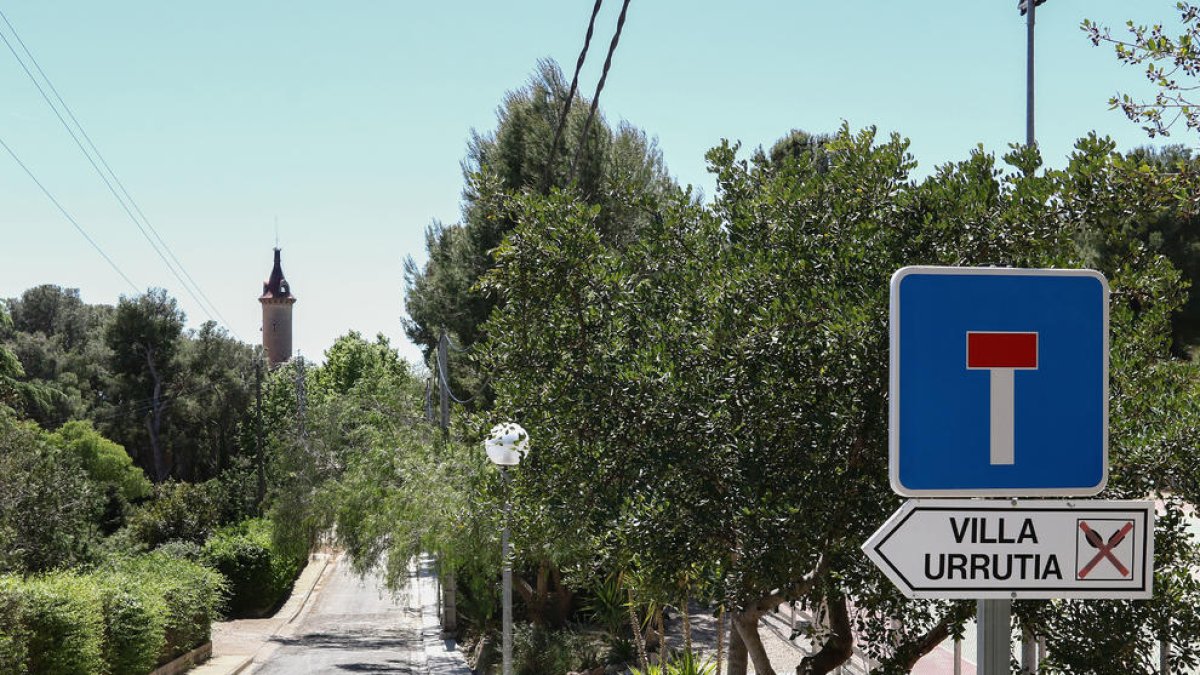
(637, 632)
(746, 622)
(738, 662)
(908, 653)
(838, 648)
(687, 623)
(562, 597)
(663, 650)
(547, 600)
(154, 422)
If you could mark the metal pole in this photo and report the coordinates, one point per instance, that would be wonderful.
(443, 375)
(506, 566)
(259, 455)
(1029, 136)
(448, 607)
(994, 638)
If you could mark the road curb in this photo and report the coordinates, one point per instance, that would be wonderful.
(302, 597)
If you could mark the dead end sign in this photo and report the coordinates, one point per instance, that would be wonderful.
(935, 548)
(998, 382)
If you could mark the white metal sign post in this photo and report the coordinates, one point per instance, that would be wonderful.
(998, 387)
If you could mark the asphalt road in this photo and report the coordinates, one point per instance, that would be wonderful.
(355, 626)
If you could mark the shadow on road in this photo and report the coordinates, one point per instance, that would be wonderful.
(345, 641)
(391, 666)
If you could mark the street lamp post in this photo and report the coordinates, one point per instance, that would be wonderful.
(1028, 9)
(505, 446)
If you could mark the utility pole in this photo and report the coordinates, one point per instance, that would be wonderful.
(301, 397)
(449, 584)
(260, 455)
(443, 353)
(1032, 10)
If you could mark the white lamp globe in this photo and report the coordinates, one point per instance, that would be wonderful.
(507, 444)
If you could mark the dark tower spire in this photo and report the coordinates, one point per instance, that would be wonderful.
(277, 301)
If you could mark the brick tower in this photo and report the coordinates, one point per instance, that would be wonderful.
(277, 301)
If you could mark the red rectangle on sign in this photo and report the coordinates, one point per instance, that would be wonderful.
(1002, 350)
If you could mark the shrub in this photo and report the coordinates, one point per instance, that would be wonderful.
(192, 598)
(182, 550)
(123, 619)
(258, 574)
(105, 462)
(537, 651)
(13, 634)
(187, 511)
(64, 614)
(193, 511)
(134, 618)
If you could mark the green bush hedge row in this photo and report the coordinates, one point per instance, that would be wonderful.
(259, 574)
(122, 619)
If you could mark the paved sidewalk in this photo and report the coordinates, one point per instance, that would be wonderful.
(441, 656)
(237, 643)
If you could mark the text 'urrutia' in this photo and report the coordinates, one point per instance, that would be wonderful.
(981, 530)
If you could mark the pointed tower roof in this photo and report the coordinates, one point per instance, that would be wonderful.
(276, 288)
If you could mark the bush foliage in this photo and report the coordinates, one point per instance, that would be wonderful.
(123, 619)
(258, 573)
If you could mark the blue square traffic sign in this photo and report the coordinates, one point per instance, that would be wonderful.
(999, 382)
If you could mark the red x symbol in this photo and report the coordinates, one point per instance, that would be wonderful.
(1105, 549)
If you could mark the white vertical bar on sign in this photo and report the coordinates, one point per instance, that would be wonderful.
(957, 656)
(1002, 415)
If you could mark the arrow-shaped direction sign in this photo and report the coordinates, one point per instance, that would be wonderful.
(941, 548)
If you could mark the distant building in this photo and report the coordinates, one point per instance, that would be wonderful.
(277, 301)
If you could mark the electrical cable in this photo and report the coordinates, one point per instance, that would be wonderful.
(68, 217)
(205, 304)
(486, 380)
(612, 47)
(562, 117)
(446, 384)
(142, 406)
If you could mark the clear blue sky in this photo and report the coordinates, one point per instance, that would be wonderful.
(347, 121)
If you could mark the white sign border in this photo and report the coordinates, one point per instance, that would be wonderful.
(894, 384)
(871, 546)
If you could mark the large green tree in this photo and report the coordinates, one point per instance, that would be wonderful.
(58, 340)
(49, 510)
(710, 402)
(1167, 222)
(144, 337)
(620, 168)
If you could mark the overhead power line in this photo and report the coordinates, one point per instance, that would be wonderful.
(612, 47)
(144, 226)
(562, 116)
(66, 215)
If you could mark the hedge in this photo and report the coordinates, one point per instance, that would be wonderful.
(14, 636)
(64, 614)
(123, 619)
(134, 624)
(259, 575)
(192, 594)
